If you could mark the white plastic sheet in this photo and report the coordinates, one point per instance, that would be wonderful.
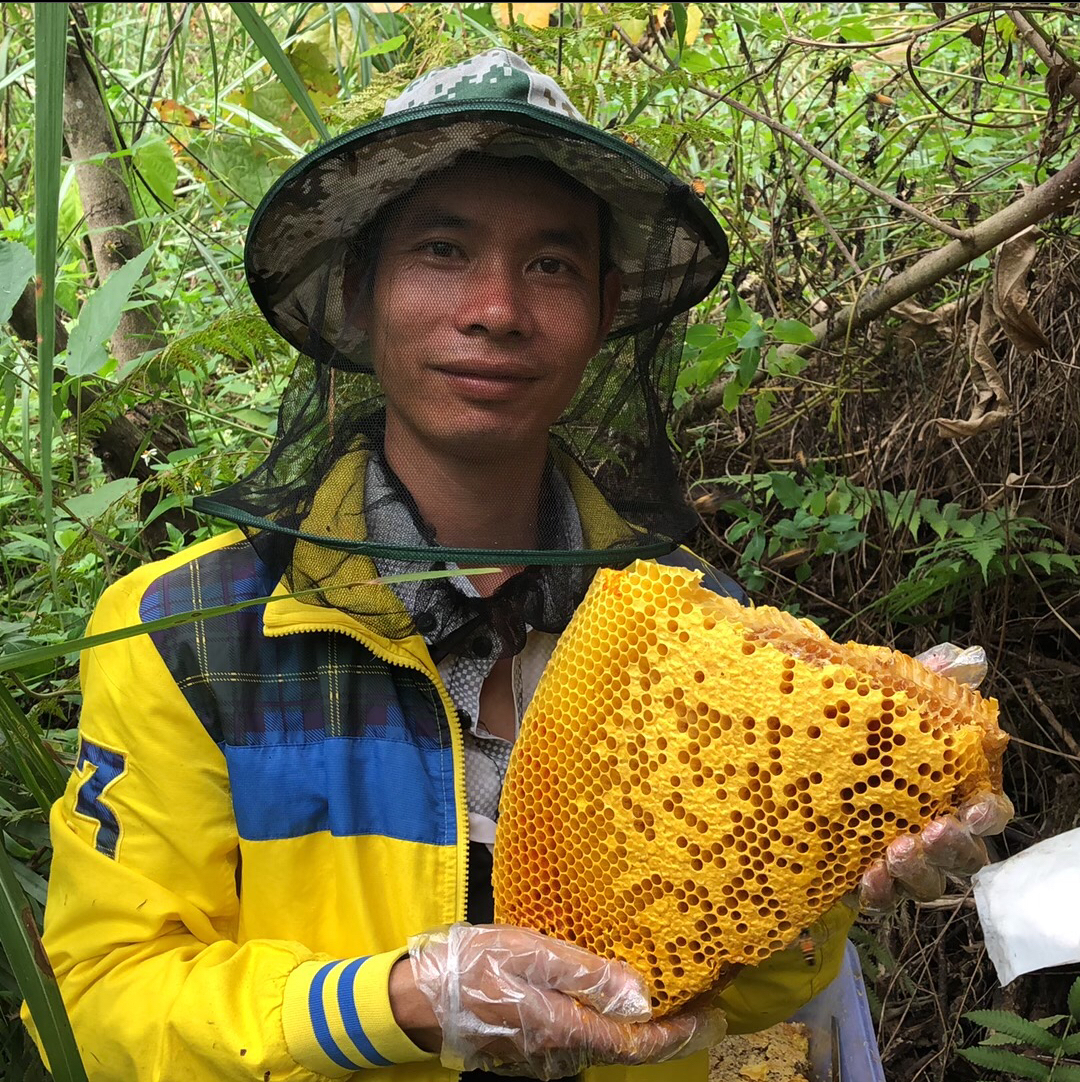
(1028, 906)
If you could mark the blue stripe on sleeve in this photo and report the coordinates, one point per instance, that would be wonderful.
(353, 1027)
(318, 1021)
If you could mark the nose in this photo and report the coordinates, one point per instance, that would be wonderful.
(493, 302)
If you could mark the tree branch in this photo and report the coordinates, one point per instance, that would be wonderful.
(1047, 52)
(803, 144)
(1054, 195)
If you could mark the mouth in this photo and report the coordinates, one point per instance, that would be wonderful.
(486, 382)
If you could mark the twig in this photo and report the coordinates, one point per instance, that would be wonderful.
(805, 193)
(1046, 50)
(170, 41)
(798, 140)
(1051, 720)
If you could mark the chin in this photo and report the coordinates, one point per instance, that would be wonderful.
(498, 436)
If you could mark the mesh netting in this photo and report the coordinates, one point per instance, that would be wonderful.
(504, 309)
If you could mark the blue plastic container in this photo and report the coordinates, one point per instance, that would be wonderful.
(844, 1001)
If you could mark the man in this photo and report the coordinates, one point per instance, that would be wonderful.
(274, 811)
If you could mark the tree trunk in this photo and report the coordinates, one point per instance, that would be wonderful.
(110, 220)
(119, 444)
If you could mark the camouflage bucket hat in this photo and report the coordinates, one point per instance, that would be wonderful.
(493, 104)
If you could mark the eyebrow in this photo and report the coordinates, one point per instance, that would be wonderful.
(435, 218)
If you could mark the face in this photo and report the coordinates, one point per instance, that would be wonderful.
(488, 301)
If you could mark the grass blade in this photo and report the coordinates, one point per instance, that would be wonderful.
(26, 755)
(50, 44)
(21, 944)
(37, 654)
(275, 56)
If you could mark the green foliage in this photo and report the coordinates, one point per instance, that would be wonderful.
(211, 113)
(946, 549)
(100, 316)
(1046, 1060)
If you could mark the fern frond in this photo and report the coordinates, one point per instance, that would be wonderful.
(1008, 1063)
(236, 336)
(1020, 1029)
(1074, 1000)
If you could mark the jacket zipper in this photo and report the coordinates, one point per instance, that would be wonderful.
(457, 745)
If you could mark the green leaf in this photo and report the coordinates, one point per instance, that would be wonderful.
(388, 46)
(1070, 1046)
(763, 407)
(983, 551)
(732, 393)
(748, 366)
(752, 338)
(1040, 559)
(156, 172)
(50, 64)
(16, 269)
(793, 331)
(275, 56)
(1008, 1063)
(854, 29)
(23, 659)
(696, 62)
(1018, 1028)
(93, 504)
(701, 335)
(754, 548)
(1074, 1000)
(21, 944)
(100, 316)
(678, 14)
(786, 489)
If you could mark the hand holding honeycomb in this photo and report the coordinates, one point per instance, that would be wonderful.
(695, 781)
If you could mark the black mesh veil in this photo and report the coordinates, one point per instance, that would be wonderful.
(463, 261)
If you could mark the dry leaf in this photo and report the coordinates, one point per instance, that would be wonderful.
(1011, 265)
(993, 406)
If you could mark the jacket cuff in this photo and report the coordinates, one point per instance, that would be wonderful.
(337, 1016)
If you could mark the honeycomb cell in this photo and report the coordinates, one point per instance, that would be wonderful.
(607, 782)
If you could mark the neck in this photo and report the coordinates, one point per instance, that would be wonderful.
(487, 501)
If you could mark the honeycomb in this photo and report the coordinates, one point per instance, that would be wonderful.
(696, 781)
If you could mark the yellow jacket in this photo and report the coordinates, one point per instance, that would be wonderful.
(265, 806)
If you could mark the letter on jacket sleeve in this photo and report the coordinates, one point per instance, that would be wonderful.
(142, 913)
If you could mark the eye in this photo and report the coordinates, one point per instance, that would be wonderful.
(551, 265)
(441, 249)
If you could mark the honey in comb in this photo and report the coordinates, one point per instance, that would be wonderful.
(696, 781)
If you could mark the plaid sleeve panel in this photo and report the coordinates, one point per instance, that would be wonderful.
(338, 1020)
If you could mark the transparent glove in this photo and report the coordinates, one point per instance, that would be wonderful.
(518, 1003)
(917, 863)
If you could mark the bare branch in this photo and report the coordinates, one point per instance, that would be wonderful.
(799, 141)
(1054, 195)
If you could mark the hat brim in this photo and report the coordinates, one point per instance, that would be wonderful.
(302, 226)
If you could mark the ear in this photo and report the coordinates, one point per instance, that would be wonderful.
(610, 294)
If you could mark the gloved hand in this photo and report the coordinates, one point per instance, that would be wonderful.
(917, 863)
(518, 1003)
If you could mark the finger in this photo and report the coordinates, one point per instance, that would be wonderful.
(877, 890)
(906, 862)
(989, 813)
(653, 1042)
(962, 666)
(951, 847)
(609, 987)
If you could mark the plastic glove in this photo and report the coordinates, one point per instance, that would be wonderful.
(518, 1003)
(918, 863)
